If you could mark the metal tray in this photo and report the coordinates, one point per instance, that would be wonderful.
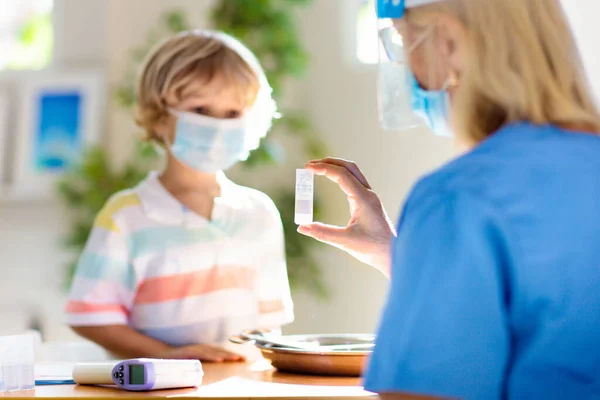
(319, 360)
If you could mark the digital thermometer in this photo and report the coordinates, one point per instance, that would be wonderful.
(141, 374)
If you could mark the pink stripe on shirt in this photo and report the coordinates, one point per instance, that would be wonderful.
(177, 287)
(83, 307)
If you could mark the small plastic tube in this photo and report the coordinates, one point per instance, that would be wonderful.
(26, 362)
(304, 197)
(26, 376)
(16, 363)
(9, 381)
(10, 376)
(2, 387)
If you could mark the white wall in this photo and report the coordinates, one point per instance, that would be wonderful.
(338, 93)
(32, 260)
(81, 27)
(582, 15)
(129, 26)
(340, 97)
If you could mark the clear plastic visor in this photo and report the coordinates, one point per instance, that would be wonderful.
(395, 79)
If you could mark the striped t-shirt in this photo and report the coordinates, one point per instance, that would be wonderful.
(177, 277)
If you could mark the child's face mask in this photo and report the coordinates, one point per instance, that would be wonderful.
(210, 144)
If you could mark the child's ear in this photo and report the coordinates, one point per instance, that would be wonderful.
(165, 128)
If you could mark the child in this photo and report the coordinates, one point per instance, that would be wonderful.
(188, 258)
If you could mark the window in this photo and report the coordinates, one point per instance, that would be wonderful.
(26, 36)
(367, 49)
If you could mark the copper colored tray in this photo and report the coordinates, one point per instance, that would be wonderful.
(339, 362)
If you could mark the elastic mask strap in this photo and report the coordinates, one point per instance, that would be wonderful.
(446, 85)
(419, 40)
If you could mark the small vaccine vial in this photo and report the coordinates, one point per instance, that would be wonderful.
(305, 180)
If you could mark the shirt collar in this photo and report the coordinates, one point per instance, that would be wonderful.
(160, 205)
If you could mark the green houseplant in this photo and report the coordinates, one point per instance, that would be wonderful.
(268, 28)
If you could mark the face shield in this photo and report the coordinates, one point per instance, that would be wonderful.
(403, 103)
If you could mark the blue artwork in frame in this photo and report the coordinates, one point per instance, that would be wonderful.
(58, 133)
(60, 116)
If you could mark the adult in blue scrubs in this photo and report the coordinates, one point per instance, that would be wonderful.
(495, 262)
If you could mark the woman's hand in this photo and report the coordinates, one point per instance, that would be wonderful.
(368, 234)
(203, 352)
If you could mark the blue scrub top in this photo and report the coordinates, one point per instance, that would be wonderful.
(495, 288)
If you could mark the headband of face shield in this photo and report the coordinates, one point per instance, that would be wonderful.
(403, 102)
(212, 144)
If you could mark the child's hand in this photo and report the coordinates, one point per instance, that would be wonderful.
(203, 352)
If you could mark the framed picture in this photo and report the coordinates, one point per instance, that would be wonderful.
(60, 114)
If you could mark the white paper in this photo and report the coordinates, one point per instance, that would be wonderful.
(246, 388)
(53, 371)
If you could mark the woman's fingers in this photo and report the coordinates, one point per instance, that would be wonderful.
(333, 235)
(345, 179)
(349, 165)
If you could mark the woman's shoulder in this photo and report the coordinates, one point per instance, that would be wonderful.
(510, 166)
(455, 176)
(470, 177)
(490, 162)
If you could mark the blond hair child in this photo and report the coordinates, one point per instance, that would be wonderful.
(176, 265)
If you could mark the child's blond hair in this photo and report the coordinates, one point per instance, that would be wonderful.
(179, 60)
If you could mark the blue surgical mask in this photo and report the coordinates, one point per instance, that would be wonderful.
(431, 105)
(209, 144)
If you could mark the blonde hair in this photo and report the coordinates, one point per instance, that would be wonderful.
(522, 65)
(176, 62)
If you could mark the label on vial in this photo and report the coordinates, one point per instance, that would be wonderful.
(304, 197)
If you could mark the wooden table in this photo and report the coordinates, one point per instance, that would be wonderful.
(232, 381)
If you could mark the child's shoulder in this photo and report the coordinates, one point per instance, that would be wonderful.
(115, 205)
(257, 200)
